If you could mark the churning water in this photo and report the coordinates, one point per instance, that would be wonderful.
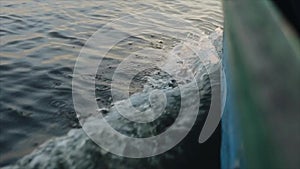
(40, 41)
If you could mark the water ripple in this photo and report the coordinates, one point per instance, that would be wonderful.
(40, 41)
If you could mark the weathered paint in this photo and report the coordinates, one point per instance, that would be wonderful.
(262, 65)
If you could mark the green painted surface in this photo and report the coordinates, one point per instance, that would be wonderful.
(264, 57)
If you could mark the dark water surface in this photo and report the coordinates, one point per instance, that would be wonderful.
(40, 41)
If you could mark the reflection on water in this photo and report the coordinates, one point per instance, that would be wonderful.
(40, 41)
